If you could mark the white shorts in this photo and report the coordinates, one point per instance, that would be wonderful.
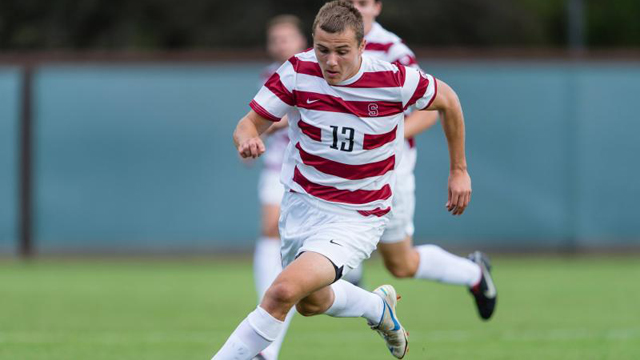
(404, 200)
(343, 236)
(270, 189)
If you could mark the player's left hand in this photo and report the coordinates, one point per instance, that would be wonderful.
(459, 192)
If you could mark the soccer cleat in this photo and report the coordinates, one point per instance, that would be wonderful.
(259, 357)
(389, 327)
(484, 292)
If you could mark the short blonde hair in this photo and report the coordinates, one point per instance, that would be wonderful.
(334, 17)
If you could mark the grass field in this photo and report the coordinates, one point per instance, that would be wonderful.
(549, 308)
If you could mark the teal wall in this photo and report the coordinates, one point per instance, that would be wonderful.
(140, 157)
(9, 115)
(552, 150)
(134, 158)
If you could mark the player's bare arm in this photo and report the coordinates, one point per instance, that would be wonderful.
(448, 104)
(247, 135)
(419, 121)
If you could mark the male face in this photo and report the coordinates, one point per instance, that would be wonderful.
(370, 9)
(338, 54)
(284, 40)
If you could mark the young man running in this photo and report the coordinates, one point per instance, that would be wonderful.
(346, 119)
(401, 258)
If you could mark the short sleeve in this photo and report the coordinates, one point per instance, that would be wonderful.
(419, 89)
(400, 53)
(276, 97)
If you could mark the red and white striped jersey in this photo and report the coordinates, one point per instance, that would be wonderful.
(345, 139)
(385, 45)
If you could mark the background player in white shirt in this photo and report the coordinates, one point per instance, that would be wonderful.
(284, 39)
(346, 124)
(401, 258)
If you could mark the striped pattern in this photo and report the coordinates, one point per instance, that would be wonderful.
(346, 171)
(385, 45)
(277, 142)
(375, 141)
(344, 138)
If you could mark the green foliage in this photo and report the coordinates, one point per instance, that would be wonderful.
(166, 24)
(613, 23)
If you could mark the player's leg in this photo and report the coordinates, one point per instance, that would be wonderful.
(266, 258)
(267, 261)
(429, 262)
(346, 242)
(343, 299)
(267, 264)
(305, 281)
(308, 273)
(322, 244)
(377, 307)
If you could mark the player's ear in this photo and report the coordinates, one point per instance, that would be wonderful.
(377, 4)
(363, 44)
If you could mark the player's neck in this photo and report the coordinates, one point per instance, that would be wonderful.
(354, 72)
(368, 28)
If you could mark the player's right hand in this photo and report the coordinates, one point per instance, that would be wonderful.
(459, 192)
(251, 148)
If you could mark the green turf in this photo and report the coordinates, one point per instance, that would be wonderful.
(549, 308)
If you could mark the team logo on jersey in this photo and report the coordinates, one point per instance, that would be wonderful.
(373, 109)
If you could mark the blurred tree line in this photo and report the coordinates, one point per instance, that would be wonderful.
(198, 24)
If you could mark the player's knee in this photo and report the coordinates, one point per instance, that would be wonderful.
(305, 308)
(282, 293)
(399, 270)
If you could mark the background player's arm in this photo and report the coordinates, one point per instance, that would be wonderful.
(246, 136)
(452, 119)
(419, 121)
(283, 123)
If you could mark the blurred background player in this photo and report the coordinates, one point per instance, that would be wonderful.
(401, 258)
(284, 39)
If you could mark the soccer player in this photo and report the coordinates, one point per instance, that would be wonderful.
(346, 125)
(401, 258)
(284, 39)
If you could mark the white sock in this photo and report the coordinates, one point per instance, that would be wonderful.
(267, 263)
(352, 301)
(439, 265)
(272, 351)
(253, 335)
